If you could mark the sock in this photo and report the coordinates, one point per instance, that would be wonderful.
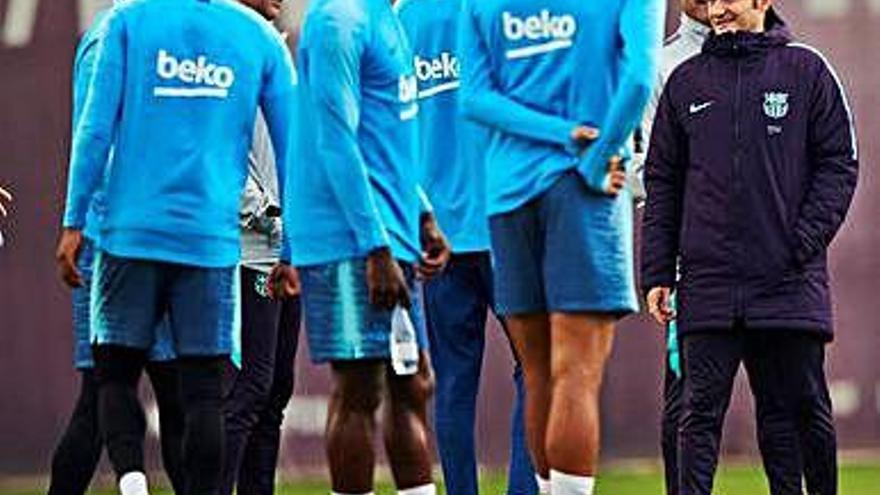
(133, 483)
(543, 485)
(569, 484)
(428, 489)
(337, 493)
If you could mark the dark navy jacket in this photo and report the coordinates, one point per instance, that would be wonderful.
(751, 169)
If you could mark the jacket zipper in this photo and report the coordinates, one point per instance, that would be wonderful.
(738, 309)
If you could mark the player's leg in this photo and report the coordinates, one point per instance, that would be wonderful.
(356, 395)
(521, 479)
(252, 384)
(202, 316)
(518, 252)
(711, 360)
(588, 281)
(406, 432)
(530, 335)
(794, 424)
(77, 454)
(126, 309)
(257, 472)
(673, 389)
(580, 346)
(164, 375)
(456, 313)
(347, 331)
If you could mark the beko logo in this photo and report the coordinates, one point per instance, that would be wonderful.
(441, 71)
(202, 78)
(549, 32)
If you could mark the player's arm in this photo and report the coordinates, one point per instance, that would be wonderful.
(436, 250)
(93, 136)
(834, 165)
(641, 35)
(92, 140)
(664, 179)
(481, 101)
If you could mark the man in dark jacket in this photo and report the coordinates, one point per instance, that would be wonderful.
(750, 173)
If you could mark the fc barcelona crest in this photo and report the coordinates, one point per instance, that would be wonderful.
(776, 105)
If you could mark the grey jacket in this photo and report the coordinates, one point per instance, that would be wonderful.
(260, 223)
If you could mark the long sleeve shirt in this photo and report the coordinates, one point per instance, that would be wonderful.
(175, 91)
(534, 70)
(452, 148)
(356, 189)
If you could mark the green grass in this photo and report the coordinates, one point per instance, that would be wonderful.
(855, 479)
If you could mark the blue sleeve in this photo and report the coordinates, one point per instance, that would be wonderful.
(333, 79)
(278, 101)
(95, 128)
(482, 102)
(641, 35)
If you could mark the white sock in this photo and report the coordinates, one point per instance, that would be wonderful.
(338, 493)
(428, 489)
(133, 483)
(543, 485)
(569, 484)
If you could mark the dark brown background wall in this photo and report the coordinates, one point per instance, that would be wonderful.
(37, 385)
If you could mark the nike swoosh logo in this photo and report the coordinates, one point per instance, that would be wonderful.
(697, 108)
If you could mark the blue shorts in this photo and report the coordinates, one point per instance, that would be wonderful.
(162, 350)
(569, 250)
(341, 324)
(130, 298)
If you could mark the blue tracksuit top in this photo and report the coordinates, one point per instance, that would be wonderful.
(452, 149)
(356, 189)
(175, 91)
(533, 70)
(83, 65)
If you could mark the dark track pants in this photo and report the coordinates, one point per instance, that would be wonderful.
(78, 451)
(456, 304)
(795, 429)
(259, 393)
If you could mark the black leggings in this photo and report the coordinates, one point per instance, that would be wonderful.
(77, 454)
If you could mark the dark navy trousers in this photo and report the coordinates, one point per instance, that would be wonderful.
(795, 428)
(457, 304)
(255, 402)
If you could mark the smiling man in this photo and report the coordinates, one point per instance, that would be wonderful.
(751, 170)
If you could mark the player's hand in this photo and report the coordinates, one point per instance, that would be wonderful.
(69, 247)
(660, 305)
(583, 136)
(7, 197)
(284, 282)
(615, 181)
(435, 248)
(385, 281)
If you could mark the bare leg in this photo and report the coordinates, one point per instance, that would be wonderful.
(530, 335)
(581, 344)
(357, 393)
(407, 436)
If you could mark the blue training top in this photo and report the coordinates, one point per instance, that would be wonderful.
(533, 70)
(453, 149)
(356, 187)
(175, 91)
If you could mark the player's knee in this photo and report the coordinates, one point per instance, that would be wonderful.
(358, 390)
(201, 381)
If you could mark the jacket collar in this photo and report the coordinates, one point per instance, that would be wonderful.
(742, 44)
